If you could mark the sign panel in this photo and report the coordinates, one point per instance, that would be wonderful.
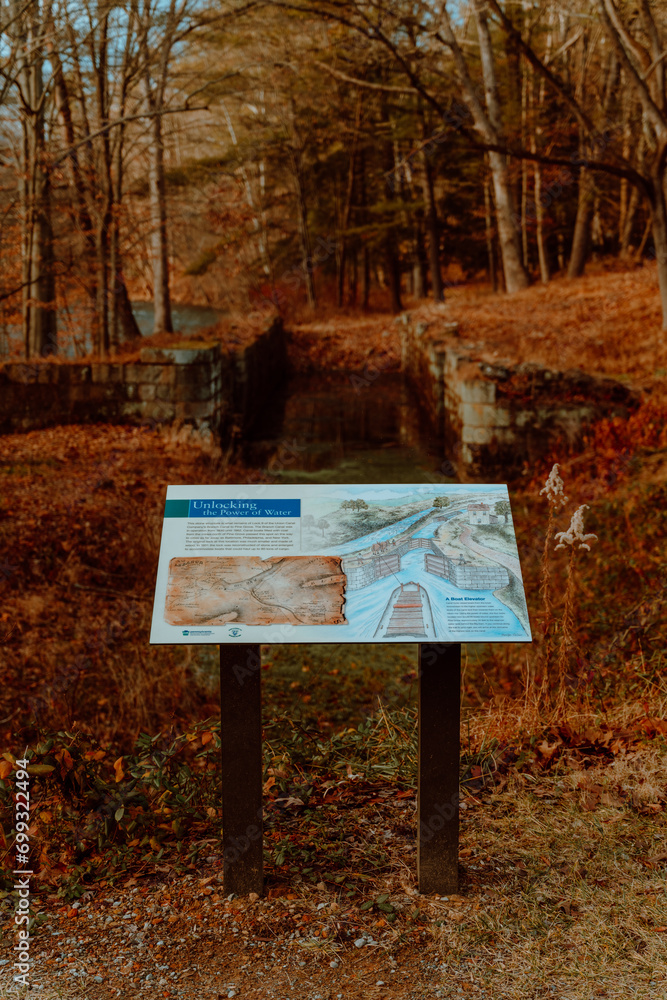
(381, 563)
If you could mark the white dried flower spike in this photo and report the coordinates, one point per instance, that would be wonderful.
(575, 533)
(554, 488)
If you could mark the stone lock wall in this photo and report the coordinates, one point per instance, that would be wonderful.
(494, 419)
(200, 384)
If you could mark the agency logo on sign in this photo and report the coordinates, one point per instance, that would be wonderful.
(234, 632)
(186, 631)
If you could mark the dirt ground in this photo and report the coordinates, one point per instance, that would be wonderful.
(562, 894)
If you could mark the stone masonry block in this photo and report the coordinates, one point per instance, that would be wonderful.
(133, 373)
(79, 375)
(193, 393)
(504, 435)
(195, 411)
(483, 415)
(477, 435)
(25, 374)
(477, 391)
(159, 411)
(198, 352)
(131, 410)
(81, 394)
(192, 375)
(150, 373)
(147, 392)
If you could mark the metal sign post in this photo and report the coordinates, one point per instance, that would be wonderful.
(241, 738)
(438, 768)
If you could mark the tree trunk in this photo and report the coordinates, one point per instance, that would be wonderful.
(393, 272)
(41, 327)
(354, 279)
(363, 219)
(535, 132)
(340, 274)
(524, 173)
(418, 276)
(104, 210)
(644, 240)
(123, 323)
(102, 305)
(516, 277)
(433, 225)
(539, 226)
(158, 215)
(391, 260)
(513, 98)
(157, 190)
(659, 225)
(628, 223)
(76, 179)
(582, 226)
(347, 207)
(419, 266)
(510, 246)
(304, 234)
(493, 277)
(39, 312)
(366, 283)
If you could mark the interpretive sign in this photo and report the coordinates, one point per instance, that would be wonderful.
(386, 563)
(245, 565)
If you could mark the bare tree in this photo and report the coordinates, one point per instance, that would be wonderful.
(162, 27)
(487, 116)
(28, 32)
(640, 46)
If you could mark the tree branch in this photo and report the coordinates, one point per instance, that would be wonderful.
(386, 88)
(123, 121)
(621, 41)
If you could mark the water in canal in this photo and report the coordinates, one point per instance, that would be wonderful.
(186, 319)
(327, 429)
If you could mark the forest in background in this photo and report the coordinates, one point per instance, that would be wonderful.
(344, 153)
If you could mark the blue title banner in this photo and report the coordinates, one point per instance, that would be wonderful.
(244, 508)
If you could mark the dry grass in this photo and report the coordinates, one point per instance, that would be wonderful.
(567, 900)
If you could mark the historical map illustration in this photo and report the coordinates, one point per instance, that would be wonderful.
(339, 563)
(437, 565)
(301, 590)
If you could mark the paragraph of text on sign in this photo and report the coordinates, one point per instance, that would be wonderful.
(243, 535)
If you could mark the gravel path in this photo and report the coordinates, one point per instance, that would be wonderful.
(181, 939)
